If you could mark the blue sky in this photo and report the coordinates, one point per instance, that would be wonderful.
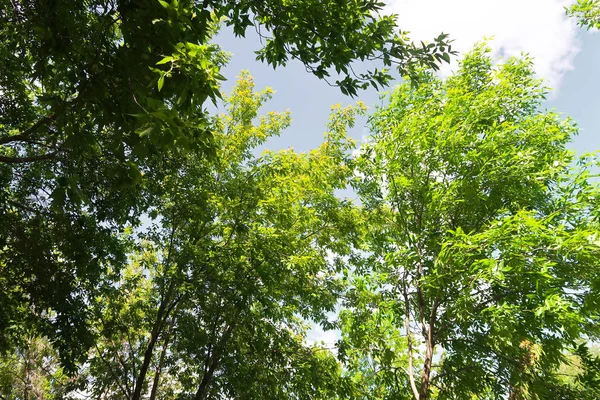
(579, 94)
(566, 56)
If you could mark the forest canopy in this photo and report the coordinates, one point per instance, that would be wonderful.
(102, 100)
(151, 249)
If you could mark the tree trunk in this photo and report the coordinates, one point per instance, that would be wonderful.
(430, 343)
(27, 372)
(161, 317)
(411, 374)
(203, 387)
(426, 374)
(139, 382)
(159, 368)
(211, 364)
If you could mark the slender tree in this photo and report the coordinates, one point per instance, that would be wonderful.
(482, 267)
(215, 302)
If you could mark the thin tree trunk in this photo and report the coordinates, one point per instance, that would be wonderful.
(164, 310)
(163, 313)
(139, 382)
(211, 365)
(426, 373)
(206, 378)
(430, 343)
(411, 373)
(27, 374)
(159, 368)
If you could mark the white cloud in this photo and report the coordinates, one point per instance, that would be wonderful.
(316, 335)
(537, 27)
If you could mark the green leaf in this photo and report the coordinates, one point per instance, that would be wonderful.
(165, 60)
(145, 132)
(161, 82)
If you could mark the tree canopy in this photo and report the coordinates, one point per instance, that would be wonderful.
(481, 266)
(222, 285)
(587, 13)
(101, 99)
(148, 249)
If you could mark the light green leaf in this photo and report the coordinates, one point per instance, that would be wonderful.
(161, 82)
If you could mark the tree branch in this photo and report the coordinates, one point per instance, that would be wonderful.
(23, 160)
(23, 136)
(124, 389)
(214, 361)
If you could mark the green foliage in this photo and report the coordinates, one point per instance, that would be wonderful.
(481, 253)
(78, 105)
(33, 372)
(589, 376)
(215, 300)
(470, 269)
(328, 36)
(587, 13)
(102, 99)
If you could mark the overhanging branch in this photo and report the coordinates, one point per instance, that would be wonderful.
(24, 136)
(23, 160)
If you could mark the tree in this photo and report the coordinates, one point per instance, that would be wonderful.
(33, 372)
(481, 268)
(587, 13)
(99, 99)
(215, 300)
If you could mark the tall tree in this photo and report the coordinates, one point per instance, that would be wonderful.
(482, 267)
(215, 303)
(98, 98)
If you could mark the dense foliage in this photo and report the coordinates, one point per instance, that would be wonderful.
(149, 250)
(482, 270)
(214, 299)
(101, 99)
